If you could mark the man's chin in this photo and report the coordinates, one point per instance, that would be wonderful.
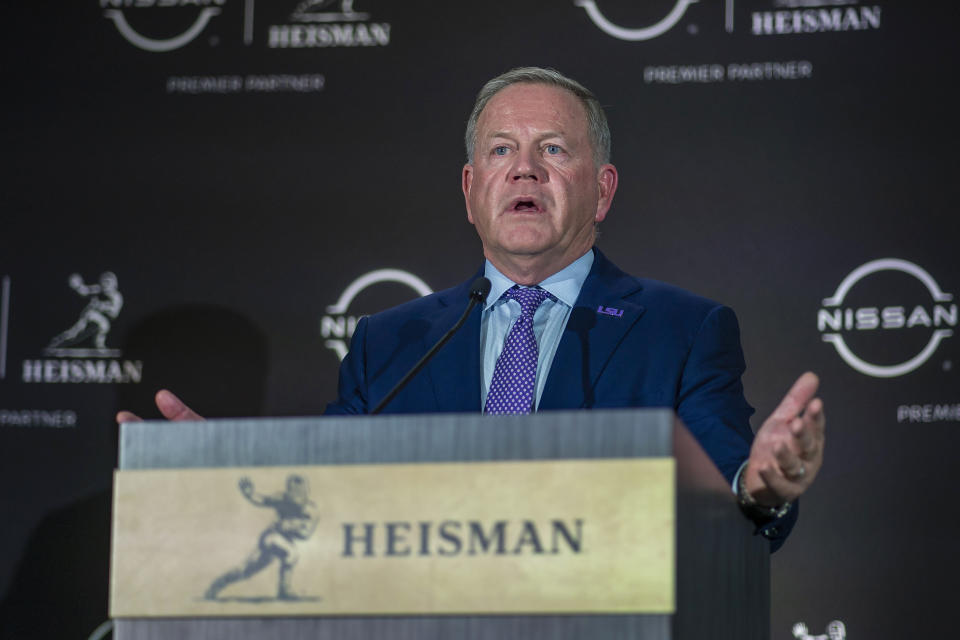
(527, 239)
(526, 250)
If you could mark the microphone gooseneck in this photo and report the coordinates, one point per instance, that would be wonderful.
(479, 290)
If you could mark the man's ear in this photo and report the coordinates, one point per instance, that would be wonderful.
(607, 179)
(466, 183)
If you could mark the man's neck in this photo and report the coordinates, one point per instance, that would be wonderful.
(532, 270)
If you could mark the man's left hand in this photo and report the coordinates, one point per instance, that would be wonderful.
(788, 450)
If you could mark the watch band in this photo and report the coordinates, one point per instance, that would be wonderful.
(757, 512)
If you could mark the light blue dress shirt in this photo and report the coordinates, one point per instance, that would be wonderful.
(549, 321)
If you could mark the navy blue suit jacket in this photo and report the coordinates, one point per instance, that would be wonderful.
(669, 348)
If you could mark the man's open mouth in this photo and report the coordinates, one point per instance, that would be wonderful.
(526, 205)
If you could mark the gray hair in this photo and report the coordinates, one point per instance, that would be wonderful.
(597, 125)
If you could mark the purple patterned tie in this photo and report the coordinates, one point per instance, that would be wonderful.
(511, 389)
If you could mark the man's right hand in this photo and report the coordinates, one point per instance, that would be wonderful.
(169, 405)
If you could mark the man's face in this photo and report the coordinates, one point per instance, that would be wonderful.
(533, 191)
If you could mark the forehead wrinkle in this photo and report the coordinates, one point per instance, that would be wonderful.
(531, 115)
(540, 136)
(540, 111)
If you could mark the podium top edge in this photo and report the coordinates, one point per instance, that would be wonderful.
(444, 437)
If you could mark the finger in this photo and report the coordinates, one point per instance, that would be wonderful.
(791, 466)
(804, 436)
(808, 431)
(797, 398)
(173, 408)
(816, 416)
(783, 489)
(127, 416)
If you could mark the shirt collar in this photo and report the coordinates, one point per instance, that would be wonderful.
(564, 285)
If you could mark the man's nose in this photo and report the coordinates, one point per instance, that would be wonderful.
(528, 167)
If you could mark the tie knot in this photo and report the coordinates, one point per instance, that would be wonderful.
(529, 298)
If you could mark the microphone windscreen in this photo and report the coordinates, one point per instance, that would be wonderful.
(480, 289)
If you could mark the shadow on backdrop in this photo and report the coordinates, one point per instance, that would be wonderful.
(216, 360)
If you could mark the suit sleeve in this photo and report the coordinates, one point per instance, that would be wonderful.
(710, 401)
(352, 389)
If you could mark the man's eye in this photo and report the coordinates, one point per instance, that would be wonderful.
(500, 150)
(553, 149)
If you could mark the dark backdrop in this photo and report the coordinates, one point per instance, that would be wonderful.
(236, 188)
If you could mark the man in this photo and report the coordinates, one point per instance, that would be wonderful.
(564, 328)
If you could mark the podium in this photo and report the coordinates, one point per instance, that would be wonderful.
(709, 573)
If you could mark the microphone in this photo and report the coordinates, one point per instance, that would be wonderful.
(478, 293)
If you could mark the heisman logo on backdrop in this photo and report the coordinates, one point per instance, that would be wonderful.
(814, 16)
(80, 352)
(887, 318)
(836, 630)
(337, 326)
(183, 19)
(328, 23)
(659, 16)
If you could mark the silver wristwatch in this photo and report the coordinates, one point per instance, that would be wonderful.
(749, 505)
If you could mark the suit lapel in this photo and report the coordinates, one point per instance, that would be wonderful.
(599, 321)
(455, 371)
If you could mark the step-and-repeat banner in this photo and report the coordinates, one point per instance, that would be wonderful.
(206, 195)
